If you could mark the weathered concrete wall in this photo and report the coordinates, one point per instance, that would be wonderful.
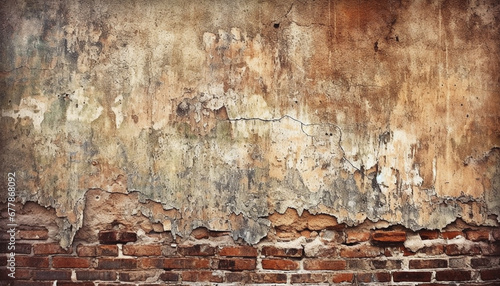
(218, 114)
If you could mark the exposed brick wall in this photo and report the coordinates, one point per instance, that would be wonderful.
(341, 255)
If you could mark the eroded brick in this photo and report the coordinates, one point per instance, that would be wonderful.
(279, 264)
(453, 275)
(237, 264)
(70, 262)
(238, 251)
(324, 264)
(389, 236)
(281, 252)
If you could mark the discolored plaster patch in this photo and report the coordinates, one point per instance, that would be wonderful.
(228, 114)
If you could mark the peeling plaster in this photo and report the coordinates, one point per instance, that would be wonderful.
(224, 114)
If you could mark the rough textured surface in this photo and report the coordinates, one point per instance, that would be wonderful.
(188, 114)
(367, 254)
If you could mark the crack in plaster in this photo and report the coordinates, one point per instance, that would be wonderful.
(302, 124)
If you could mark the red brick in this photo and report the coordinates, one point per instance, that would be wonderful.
(478, 235)
(342, 277)
(360, 251)
(268, 278)
(309, 278)
(318, 264)
(117, 263)
(30, 261)
(24, 273)
(52, 275)
(240, 277)
(480, 262)
(142, 250)
(453, 275)
(459, 262)
(407, 276)
(440, 284)
(279, 264)
(455, 249)
(428, 234)
(432, 250)
(496, 234)
(21, 248)
(21, 273)
(490, 274)
(70, 262)
(107, 250)
(241, 251)
(215, 233)
(429, 263)
(131, 276)
(386, 264)
(169, 276)
(200, 276)
(30, 283)
(127, 236)
(148, 263)
(389, 236)
(357, 236)
(282, 252)
(49, 248)
(168, 250)
(382, 277)
(451, 234)
(406, 251)
(186, 263)
(33, 234)
(86, 250)
(96, 275)
(97, 250)
(491, 249)
(200, 233)
(364, 277)
(197, 250)
(467, 284)
(328, 250)
(60, 283)
(237, 264)
(358, 264)
(114, 237)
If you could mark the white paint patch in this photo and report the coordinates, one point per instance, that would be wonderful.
(399, 156)
(31, 108)
(82, 108)
(386, 178)
(254, 106)
(117, 109)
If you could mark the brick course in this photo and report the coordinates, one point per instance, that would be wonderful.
(242, 251)
(279, 264)
(70, 262)
(376, 259)
(281, 252)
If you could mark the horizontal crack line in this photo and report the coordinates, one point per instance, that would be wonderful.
(302, 124)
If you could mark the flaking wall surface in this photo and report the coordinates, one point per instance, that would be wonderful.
(175, 115)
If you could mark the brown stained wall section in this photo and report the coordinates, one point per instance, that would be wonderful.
(217, 115)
